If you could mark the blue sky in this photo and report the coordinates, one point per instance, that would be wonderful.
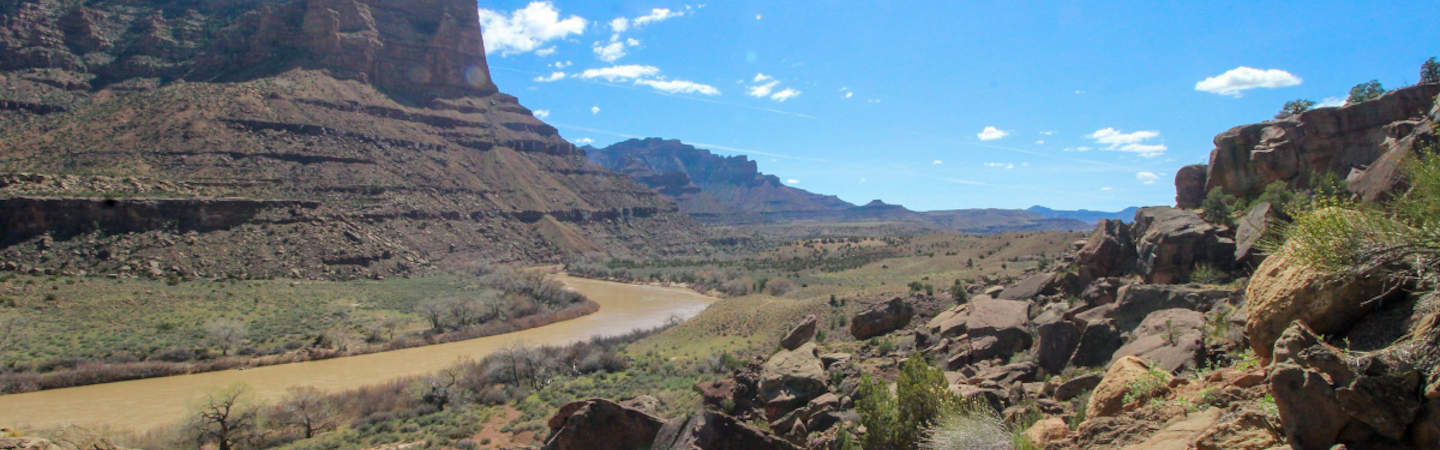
(947, 105)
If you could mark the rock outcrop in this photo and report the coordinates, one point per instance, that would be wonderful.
(1284, 290)
(1190, 186)
(1171, 242)
(1109, 251)
(709, 430)
(801, 334)
(1361, 143)
(790, 379)
(1108, 399)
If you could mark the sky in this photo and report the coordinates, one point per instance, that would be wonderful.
(949, 104)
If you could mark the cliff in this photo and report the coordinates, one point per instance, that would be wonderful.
(352, 138)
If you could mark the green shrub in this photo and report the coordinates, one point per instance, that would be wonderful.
(1205, 273)
(1149, 384)
(1295, 107)
(1365, 92)
(921, 398)
(1218, 207)
(1430, 71)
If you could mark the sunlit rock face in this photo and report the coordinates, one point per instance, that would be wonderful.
(351, 138)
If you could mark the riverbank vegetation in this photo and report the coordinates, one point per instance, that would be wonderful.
(77, 331)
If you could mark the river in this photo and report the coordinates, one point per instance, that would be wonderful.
(144, 404)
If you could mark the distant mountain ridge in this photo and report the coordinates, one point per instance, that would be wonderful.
(1085, 215)
(731, 190)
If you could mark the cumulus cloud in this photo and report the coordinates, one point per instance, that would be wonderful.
(937, 162)
(542, 113)
(792, 181)
(594, 110)
(763, 86)
(621, 73)
(584, 141)
(552, 77)
(680, 87)
(1146, 177)
(527, 29)
(847, 93)
(1135, 142)
(1235, 81)
(619, 24)
(547, 51)
(991, 133)
(785, 94)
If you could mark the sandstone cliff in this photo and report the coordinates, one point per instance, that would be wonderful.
(315, 138)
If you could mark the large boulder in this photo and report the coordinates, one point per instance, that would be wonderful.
(1190, 186)
(1170, 339)
(1047, 283)
(1326, 397)
(1056, 339)
(983, 329)
(1136, 301)
(801, 334)
(1285, 289)
(709, 430)
(1171, 242)
(1109, 251)
(1098, 341)
(790, 378)
(1108, 399)
(882, 318)
(601, 424)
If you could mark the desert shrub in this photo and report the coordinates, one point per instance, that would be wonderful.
(1430, 71)
(1218, 207)
(899, 421)
(779, 287)
(1149, 384)
(1365, 92)
(975, 429)
(1295, 107)
(1205, 273)
(1279, 195)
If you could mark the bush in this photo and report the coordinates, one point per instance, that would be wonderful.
(899, 421)
(1430, 71)
(1295, 107)
(1208, 274)
(1365, 92)
(1217, 207)
(972, 429)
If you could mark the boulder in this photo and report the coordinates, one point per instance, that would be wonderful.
(1098, 341)
(1047, 430)
(1284, 290)
(801, 334)
(1109, 251)
(1251, 229)
(1031, 287)
(1055, 343)
(1324, 397)
(789, 379)
(1170, 339)
(1190, 186)
(1008, 374)
(882, 318)
(1171, 242)
(1136, 301)
(1101, 291)
(1108, 399)
(1246, 429)
(983, 329)
(1077, 386)
(601, 425)
(709, 430)
(1180, 434)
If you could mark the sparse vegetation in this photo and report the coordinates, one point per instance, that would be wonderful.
(1218, 208)
(1365, 92)
(1295, 107)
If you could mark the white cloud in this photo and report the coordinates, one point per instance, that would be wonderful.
(937, 162)
(991, 133)
(1040, 142)
(762, 90)
(527, 29)
(849, 95)
(999, 165)
(1116, 140)
(609, 52)
(561, 64)
(1146, 177)
(1106, 189)
(680, 87)
(1079, 92)
(792, 181)
(621, 73)
(619, 24)
(594, 110)
(542, 113)
(761, 78)
(584, 141)
(657, 15)
(552, 77)
(547, 51)
(785, 94)
(1330, 102)
(1078, 149)
(1048, 133)
(1235, 81)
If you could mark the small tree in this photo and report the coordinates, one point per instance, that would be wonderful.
(434, 311)
(226, 334)
(225, 418)
(1294, 107)
(305, 407)
(899, 421)
(958, 292)
(1430, 71)
(1365, 92)
(1217, 206)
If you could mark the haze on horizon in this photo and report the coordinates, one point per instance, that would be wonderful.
(941, 105)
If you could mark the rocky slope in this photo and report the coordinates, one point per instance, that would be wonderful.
(313, 138)
(731, 190)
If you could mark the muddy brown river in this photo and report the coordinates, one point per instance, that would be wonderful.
(143, 404)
